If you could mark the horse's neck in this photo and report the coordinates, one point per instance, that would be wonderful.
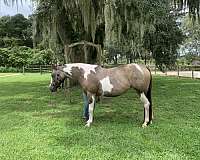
(73, 76)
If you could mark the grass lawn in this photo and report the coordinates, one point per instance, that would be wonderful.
(35, 125)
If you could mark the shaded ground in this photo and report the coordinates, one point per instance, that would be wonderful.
(37, 125)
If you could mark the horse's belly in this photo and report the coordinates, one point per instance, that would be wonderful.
(113, 94)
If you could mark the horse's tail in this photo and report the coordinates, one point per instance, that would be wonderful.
(148, 95)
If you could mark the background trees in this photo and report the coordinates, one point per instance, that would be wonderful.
(131, 28)
(15, 30)
(16, 43)
(128, 26)
(164, 42)
(60, 23)
(20, 56)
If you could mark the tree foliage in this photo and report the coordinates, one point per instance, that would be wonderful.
(131, 26)
(192, 32)
(23, 56)
(127, 24)
(192, 5)
(164, 42)
(59, 23)
(15, 30)
(144, 27)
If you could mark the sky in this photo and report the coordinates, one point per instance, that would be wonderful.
(26, 8)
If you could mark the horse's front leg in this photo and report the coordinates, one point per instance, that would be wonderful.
(91, 101)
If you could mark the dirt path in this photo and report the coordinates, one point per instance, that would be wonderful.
(196, 74)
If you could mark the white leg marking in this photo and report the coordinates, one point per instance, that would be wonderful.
(144, 99)
(51, 82)
(106, 84)
(152, 115)
(91, 109)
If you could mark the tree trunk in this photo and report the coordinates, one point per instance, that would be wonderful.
(67, 53)
(115, 59)
(131, 59)
(109, 15)
(85, 53)
(145, 58)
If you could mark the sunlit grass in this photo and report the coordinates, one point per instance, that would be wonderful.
(6, 74)
(34, 124)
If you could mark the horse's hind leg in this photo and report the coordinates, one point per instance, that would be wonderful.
(146, 102)
(91, 100)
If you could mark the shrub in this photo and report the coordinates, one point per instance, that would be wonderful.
(9, 70)
(23, 56)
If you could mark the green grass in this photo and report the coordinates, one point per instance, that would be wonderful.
(35, 125)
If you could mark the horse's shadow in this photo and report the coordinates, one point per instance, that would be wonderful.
(117, 117)
(102, 118)
(77, 133)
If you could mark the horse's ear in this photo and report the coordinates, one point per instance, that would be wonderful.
(54, 67)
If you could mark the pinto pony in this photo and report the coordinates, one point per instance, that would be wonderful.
(98, 81)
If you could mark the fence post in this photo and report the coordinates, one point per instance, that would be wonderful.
(40, 69)
(69, 90)
(178, 71)
(192, 73)
(23, 70)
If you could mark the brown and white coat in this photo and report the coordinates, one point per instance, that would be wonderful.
(98, 81)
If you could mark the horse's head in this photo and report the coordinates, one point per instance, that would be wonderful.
(57, 78)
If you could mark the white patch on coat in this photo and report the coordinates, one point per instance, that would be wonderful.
(106, 84)
(139, 68)
(87, 68)
(68, 69)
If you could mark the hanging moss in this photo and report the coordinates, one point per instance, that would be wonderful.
(62, 22)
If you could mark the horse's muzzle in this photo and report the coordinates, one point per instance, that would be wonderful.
(53, 89)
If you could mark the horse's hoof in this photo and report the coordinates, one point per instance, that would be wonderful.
(144, 125)
(87, 125)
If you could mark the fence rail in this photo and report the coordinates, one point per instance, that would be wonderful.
(179, 71)
(37, 68)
